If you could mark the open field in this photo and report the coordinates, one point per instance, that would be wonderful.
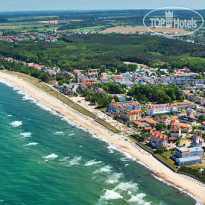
(49, 22)
(134, 29)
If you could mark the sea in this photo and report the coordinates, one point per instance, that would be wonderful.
(47, 159)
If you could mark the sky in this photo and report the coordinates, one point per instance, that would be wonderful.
(36, 5)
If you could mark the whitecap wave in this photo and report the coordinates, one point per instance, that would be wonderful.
(16, 123)
(75, 161)
(114, 178)
(25, 134)
(139, 199)
(51, 156)
(92, 162)
(105, 169)
(111, 194)
(64, 159)
(31, 144)
(125, 186)
(58, 133)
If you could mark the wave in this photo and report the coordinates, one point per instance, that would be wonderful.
(105, 169)
(51, 156)
(31, 144)
(114, 178)
(111, 194)
(58, 133)
(127, 186)
(16, 123)
(25, 134)
(92, 162)
(139, 199)
(64, 159)
(75, 161)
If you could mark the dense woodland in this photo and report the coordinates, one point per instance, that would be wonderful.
(97, 50)
(156, 93)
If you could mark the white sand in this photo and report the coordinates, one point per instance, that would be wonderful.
(88, 123)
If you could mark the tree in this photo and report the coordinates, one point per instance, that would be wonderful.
(201, 118)
(160, 150)
(160, 126)
(116, 117)
(44, 77)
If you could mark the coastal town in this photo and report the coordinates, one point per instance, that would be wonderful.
(175, 130)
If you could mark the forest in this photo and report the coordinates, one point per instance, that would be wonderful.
(156, 93)
(108, 50)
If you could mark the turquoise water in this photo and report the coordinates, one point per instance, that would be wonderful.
(46, 160)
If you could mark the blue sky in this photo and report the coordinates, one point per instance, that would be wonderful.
(34, 5)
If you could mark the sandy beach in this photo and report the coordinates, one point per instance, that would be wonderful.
(161, 171)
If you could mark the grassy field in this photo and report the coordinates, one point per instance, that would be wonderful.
(67, 101)
(25, 26)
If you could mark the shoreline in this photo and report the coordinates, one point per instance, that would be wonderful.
(85, 122)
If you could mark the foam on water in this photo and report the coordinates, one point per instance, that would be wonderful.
(58, 133)
(51, 156)
(25, 134)
(75, 161)
(138, 199)
(92, 162)
(64, 159)
(111, 194)
(125, 186)
(31, 144)
(16, 123)
(114, 178)
(105, 169)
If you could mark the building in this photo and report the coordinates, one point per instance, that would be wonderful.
(131, 115)
(138, 124)
(197, 141)
(177, 128)
(158, 139)
(185, 156)
(188, 120)
(117, 107)
(158, 109)
(149, 121)
(182, 79)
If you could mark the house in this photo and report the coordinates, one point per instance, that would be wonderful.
(57, 69)
(177, 128)
(117, 107)
(185, 156)
(130, 115)
(51, 72)
(158, 139)
(53, 82)
(138, 124)
(149, 121)
(162, 119)
(188, 120)
(197, 141)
